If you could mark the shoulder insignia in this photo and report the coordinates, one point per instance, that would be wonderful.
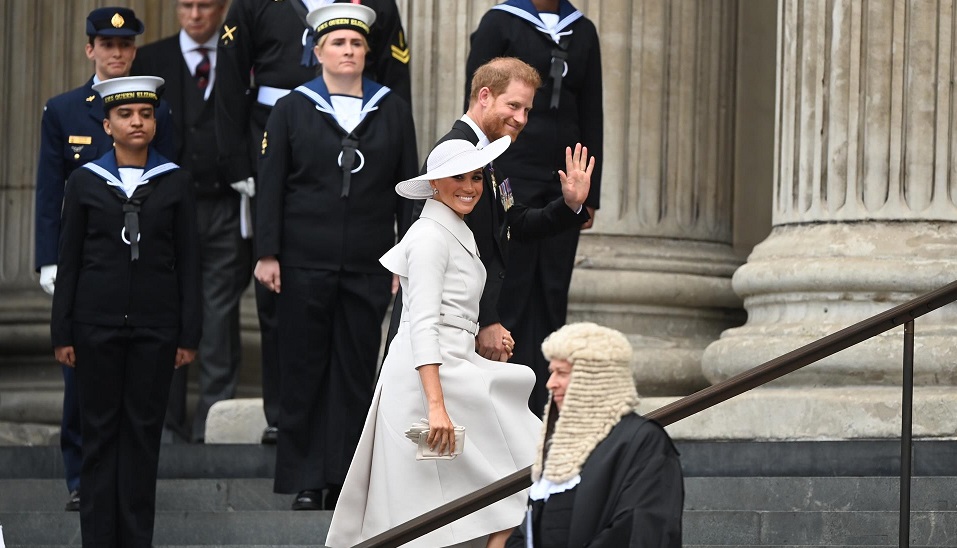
(401, 55)
(401, 51)
(265, 142)
(90, 98)
(228, 34)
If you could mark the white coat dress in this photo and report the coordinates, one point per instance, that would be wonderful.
(440, 272)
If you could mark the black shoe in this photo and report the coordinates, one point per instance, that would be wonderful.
(332, 497)
(270, 435)
(308, 500)
(73, 503)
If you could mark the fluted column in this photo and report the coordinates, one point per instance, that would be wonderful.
(658, 263)
(864, 214)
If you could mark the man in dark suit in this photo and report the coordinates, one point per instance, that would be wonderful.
(71, 135)
(265, 50)
(187, 61)
(562, 45)
(500, 99)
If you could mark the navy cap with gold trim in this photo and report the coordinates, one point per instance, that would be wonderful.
(341, 16)
(113, 22)
(129, 89)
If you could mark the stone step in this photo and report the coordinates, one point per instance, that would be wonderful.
(718, 494)
(701, 528)
(705, 494)
(203, 495)
(744, 528)
(184, 528)
(790, 494)
(698, 458)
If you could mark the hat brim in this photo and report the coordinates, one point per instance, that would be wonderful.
(418, 188)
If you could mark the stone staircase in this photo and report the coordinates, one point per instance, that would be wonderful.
(794, 494)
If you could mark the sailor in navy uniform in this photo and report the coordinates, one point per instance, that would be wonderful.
(71, 135)
(126, 310)
(556, 39)
(331, 154)
(265, 50)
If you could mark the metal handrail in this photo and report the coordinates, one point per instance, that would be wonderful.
(695, 403)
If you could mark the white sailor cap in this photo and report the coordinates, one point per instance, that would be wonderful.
(129, 89)
(341, 16)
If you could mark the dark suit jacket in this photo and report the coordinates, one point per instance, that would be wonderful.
(76, 116)
(493, 227)
(164, 58)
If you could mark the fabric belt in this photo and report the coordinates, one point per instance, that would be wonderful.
(461, 323)
(269, 95)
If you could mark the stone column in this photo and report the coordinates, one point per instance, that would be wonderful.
(657, 265)
(864, 219)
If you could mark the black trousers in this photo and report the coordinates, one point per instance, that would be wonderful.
(533, 302)
(226, 271)
(71, 440)
(330, 330)
(123, 377)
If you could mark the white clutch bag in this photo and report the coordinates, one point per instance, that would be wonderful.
(419, 434)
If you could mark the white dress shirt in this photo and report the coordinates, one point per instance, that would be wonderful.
(194, 57)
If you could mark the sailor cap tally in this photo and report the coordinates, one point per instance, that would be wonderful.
(341, 16)
(129, 89)
(113, 22)
(449, 158)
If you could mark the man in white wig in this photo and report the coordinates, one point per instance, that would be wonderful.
(604, 475)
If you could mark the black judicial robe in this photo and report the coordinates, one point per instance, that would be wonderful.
(631, 494)
(302, 217)
(510, 30)
(98, 284)
(260, 44)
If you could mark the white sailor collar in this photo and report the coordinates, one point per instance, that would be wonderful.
(317, 92)
(524, 9)
(107, 169)
(443, 214)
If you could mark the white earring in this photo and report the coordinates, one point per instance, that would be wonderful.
(435, 191)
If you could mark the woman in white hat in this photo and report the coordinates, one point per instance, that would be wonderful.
(126, 309)
(326, 212)
(433, 372)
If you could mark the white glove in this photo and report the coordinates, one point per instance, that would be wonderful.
(417, 429)
(247, 189)
(48, 277)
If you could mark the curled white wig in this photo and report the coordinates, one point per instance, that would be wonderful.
(601, 391)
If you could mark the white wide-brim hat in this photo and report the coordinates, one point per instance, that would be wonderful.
(452, 157)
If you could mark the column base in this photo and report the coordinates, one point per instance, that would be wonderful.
(670, 297)
(805, 282)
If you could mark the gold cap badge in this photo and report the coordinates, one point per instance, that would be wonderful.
(117, 21)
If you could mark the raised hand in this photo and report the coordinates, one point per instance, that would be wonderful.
(576, 179)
